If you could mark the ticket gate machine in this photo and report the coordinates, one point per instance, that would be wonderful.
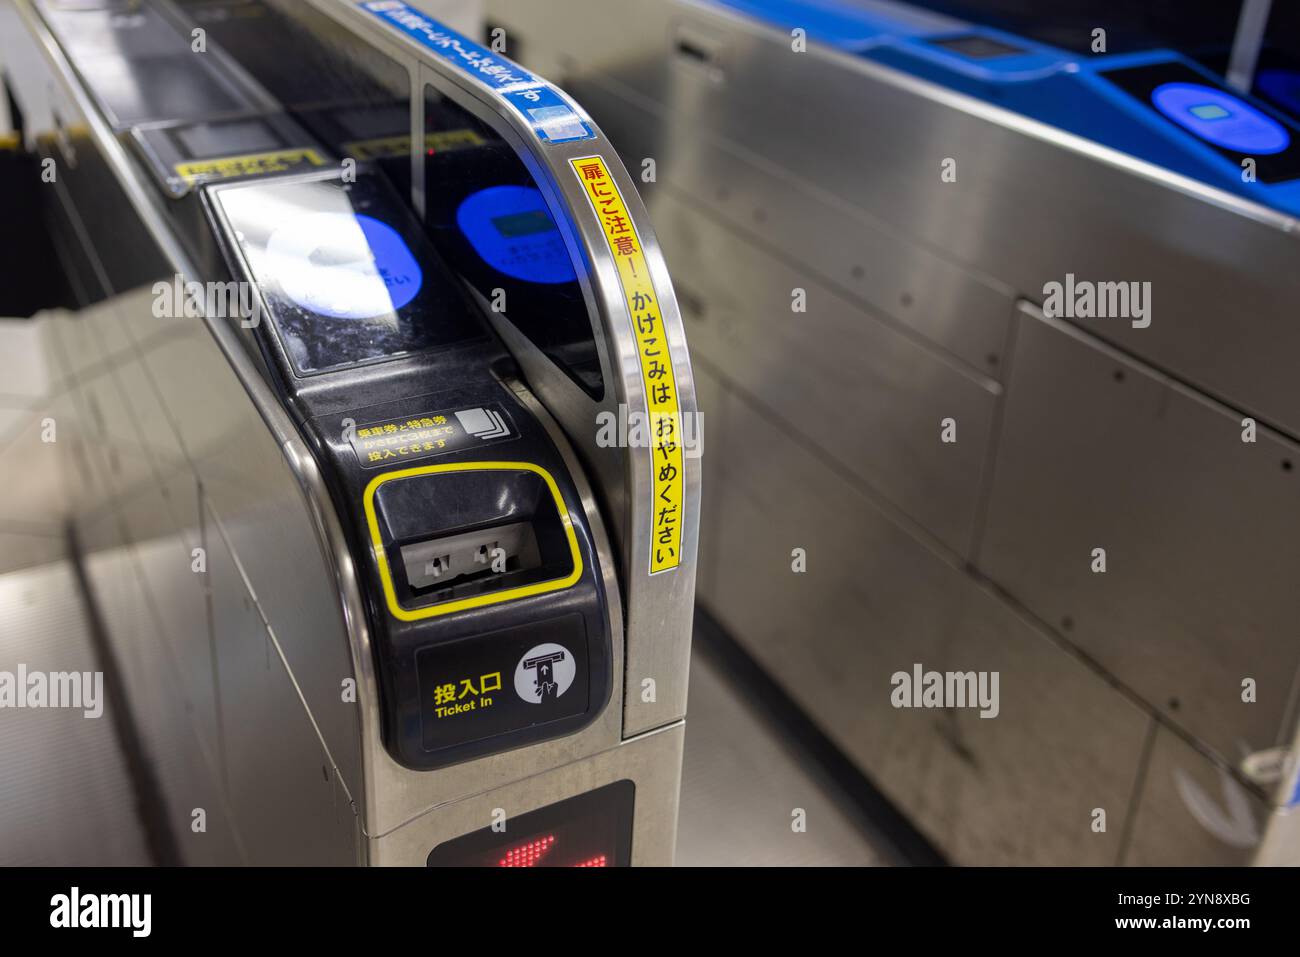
(363, 306)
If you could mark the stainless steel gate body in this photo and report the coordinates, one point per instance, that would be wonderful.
(227, 583)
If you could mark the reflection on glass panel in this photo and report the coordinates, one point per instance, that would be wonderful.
(345, 92)
(345, 272)
(486, 216)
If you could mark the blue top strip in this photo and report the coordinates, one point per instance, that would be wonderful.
(551, 117)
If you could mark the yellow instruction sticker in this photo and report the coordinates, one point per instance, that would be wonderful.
(436, 141)
(254, 164)
(662, 404)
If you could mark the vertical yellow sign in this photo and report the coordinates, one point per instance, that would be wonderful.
(663, 408)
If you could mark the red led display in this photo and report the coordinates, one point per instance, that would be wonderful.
(593, 829)
(529, 854)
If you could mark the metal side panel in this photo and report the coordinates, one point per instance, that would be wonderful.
(78, 342)
(146, 668)
(198, 811)
(652, 762)
(1020, 787)
(244, 474)
(175, 599)
(111, 431)
(162, 518)
(834, 376)
(1200, 529)
(288, 806)
(1192, 812)
(174, 719)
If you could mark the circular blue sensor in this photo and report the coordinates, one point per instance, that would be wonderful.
(513, 232)
(1220, 118)
(344, 265)
(394, 260)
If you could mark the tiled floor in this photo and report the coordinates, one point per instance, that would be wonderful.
(742, 781)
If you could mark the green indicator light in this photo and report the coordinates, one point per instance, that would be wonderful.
(1209, 111)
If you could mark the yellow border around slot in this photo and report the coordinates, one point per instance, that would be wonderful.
(476, 601)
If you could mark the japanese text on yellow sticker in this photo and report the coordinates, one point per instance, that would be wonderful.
(662, 404)
(254, 164)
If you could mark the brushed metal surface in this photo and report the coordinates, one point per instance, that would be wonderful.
(835, 376)
(952, 310)
(1016, 788)
(1201, 532)
(289, 807)
(652, 761)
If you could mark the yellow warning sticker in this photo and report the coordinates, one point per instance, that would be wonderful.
(254, 164)
(436, 141)
(662, 404)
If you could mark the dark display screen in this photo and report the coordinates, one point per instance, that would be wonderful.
(227, 139)
(977, 47)
(590, 830)
(346, 275)
(524, 224)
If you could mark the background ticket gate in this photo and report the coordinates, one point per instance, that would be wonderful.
(1092, 505)
(369, 318)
